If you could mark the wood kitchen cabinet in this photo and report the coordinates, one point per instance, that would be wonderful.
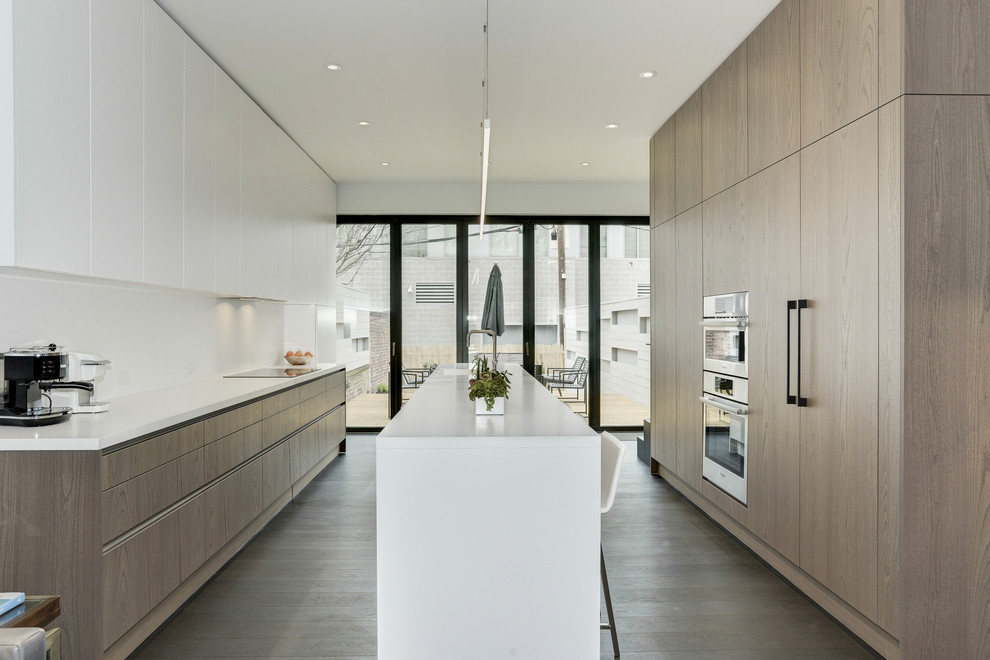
(663, 353)
(724, 125)
(663, 183)
(839, 361)
(689, 343)
(687, 141)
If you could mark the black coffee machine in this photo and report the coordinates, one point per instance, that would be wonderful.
(28, 375)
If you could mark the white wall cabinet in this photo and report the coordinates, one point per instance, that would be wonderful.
(199, 171)
(52, 135)
(118, 139)
(227, 177)
(163, 143)
(138, 159)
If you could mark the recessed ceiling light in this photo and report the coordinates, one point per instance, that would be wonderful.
(613, 125)
(363, 123)
(585, 164)
(334, 67)
(647, 74)
(384, 163)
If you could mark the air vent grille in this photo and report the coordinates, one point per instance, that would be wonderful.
(643, 290)
(435, 293)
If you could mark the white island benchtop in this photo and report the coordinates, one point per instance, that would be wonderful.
(136, 415)
(488, 526)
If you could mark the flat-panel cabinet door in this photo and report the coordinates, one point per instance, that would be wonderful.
(663, 356)
(689, 341)
(200, 155)
(118, 138)
(839, 361)
(51, 97)
(227, 262)
(163, 73)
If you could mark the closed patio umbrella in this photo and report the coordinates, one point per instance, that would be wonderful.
(493, 317)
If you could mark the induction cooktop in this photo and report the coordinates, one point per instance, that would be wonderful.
(275, 372)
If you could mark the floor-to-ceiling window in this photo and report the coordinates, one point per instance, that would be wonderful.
(576, 298)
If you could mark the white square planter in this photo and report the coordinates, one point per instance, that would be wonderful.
(481, 408)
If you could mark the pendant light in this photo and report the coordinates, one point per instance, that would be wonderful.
(486, 138)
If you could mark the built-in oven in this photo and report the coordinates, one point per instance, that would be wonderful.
(725, 429)
(724, 322)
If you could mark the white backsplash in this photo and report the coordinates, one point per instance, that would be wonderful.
(155, 337)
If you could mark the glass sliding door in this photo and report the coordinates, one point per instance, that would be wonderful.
(363, 320)
(429, 301)
(625, 324)
(561, 316)
(501, 244)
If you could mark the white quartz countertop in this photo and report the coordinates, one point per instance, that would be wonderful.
(440, 414)
(139, 414)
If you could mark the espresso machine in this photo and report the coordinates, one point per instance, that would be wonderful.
(28, 376)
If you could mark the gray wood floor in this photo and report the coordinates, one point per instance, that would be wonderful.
(682, 589)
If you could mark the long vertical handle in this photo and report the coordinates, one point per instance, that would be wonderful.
(791, 305)
(802, 402)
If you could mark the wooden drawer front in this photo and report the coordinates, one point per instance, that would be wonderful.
(304, 451)
(311, 409)
(276, 474)
(335, 396)
(231, 421)
(231, 504)
(309, 390)
(336, 428)
(192, 471)
(134, 501)
(335, 380)
(279, 425)
(138, 574)
(279, 402)
(119, 466)
(232, 450)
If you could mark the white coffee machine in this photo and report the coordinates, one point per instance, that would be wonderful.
(85, 370)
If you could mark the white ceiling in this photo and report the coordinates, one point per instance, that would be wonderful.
(559, 70)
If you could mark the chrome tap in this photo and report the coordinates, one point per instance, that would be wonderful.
(494, 344)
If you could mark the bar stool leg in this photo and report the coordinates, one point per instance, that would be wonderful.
(608, 607)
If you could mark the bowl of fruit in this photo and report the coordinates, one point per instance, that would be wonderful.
(298, 357)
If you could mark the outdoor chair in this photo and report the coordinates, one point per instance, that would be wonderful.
(571, 380)
(413, 378)
(565, 374)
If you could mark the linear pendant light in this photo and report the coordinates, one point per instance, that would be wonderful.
(486, 139)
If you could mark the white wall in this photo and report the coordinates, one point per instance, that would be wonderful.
(503, 198)
(155, 336)
(6, 133)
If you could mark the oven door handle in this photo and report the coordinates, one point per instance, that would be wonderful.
(713, 323)
(724, 407)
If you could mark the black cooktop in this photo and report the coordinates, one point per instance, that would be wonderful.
(275, 372)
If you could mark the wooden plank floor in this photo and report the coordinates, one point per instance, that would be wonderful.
(682, 588)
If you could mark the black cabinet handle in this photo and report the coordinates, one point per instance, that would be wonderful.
(802, 402)
(791, 305)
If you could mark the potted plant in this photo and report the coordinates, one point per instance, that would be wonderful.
(488, 389)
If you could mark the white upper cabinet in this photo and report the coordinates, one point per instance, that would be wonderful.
(51, 135)
(163, 55)
(200, 156)
(227, 261)
(118, 139)
(259, 233)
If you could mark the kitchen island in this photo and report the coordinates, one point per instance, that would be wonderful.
(488, 526)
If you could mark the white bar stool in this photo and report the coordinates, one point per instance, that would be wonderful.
(612, 452)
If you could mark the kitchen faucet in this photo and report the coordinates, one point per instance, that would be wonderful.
(494, 344)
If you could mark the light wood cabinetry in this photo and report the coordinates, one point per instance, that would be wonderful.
(948, 49)
(773, 70)
(687, 173)
(175, 504)
(839, 64)
(117, 88)
(51, 61)
(689, 343)
(199, 163)
(663, 344)
(163, 90)
(839, 256)
(663, 184)
(724, 125)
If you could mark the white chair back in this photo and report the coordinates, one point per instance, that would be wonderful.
(612, 452)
